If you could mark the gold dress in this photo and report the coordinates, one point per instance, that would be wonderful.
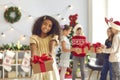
(43, 48)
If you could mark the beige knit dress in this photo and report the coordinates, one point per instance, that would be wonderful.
(43, 47)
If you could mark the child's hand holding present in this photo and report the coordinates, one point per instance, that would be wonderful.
(103, 46)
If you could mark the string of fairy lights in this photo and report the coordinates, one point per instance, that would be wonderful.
(29, 17)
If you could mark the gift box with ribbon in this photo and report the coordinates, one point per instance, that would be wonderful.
(42, 63)
(94, 48)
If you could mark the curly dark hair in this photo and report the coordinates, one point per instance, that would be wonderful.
(36, 30)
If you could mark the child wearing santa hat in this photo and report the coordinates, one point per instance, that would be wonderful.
(78, 58)
(114, 51)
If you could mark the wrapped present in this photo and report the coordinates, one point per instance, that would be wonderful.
(94, 48)
(12, 74)
(42, 64)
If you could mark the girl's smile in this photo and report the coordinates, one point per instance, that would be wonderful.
(46, 26)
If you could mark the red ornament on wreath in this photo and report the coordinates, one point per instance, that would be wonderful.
(73, 19)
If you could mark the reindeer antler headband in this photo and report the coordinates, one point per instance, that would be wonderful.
(108, 21)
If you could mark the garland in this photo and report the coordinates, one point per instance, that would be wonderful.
(12, 18)
(14, 46)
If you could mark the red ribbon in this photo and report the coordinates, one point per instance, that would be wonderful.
(41, 60)
(96, 45)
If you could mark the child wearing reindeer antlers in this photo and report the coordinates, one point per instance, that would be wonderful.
(78, 57)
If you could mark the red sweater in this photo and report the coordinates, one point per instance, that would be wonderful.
(78, 42)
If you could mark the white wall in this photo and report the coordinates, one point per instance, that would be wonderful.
(37, 8)
(97, 25)
(113, 9)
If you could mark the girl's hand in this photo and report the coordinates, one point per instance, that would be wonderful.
(103, 46)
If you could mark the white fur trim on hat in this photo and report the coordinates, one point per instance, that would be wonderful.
(76, 27)
(115, 26)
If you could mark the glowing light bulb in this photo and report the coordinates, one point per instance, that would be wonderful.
(63, 19)
(29, 17)
(23, 38)
(58, 15)
(11, 28)
(2, 34)
(70, 6)
(19, 8)
(5, 6)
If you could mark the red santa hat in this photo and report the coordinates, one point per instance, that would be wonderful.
(115, 25)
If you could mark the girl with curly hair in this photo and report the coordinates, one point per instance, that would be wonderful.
(44, 39)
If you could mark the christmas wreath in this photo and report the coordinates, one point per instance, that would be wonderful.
(12, 14)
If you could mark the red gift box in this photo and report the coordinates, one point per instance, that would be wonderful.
(42, 64)
(95, 47)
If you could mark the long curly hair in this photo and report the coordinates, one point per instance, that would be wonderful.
(36, 30)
